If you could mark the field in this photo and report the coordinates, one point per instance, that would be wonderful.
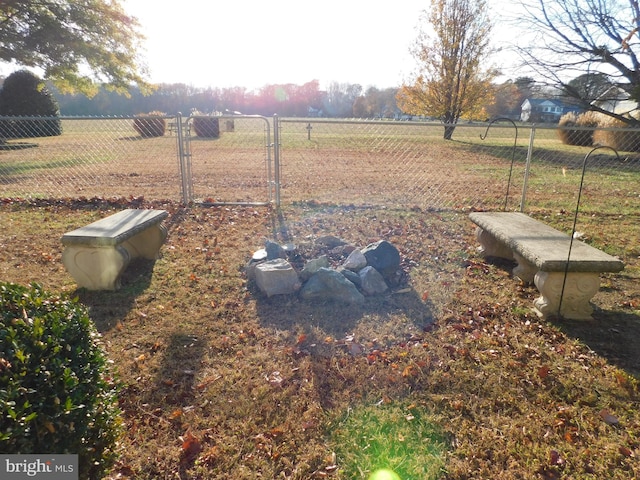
(450, 375)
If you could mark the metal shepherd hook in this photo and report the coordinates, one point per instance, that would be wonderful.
(513, 152)
(575, 216)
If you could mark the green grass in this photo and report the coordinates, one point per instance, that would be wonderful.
(401, 438)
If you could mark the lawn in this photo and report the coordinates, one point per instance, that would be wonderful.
(450, 375)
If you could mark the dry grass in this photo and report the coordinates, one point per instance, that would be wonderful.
(220, 382)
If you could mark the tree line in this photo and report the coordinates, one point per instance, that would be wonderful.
(339, 100)
(291, 100)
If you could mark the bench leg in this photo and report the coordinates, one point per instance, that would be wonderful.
(525, 270)
(491, 247)
(579, 289)
(96, 268)
(147, 243)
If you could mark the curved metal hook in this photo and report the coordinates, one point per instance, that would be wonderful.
(513, 152)
(499, 119)
(575, 216)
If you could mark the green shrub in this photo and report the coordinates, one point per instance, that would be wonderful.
(150, 124)
(206, 126)
(56, 395)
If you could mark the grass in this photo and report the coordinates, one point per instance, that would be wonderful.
(452, 377)
(449, 376)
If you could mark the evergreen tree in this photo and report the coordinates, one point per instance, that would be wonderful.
(25, 95)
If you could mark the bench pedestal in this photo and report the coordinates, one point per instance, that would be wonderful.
(96, 255)
(542, 255)
(491, 247)
(96, 268)
(579, 289)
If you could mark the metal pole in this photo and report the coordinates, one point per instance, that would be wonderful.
(527, 167)
(513, 153)
(181, 159)
(276, 157)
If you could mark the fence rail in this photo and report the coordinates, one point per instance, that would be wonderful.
(257, 160)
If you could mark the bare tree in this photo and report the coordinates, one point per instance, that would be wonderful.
(452, 53)
(571, 39)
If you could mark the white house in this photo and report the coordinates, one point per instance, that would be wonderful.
(545, 110)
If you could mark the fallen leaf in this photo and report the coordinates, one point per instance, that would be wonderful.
(355, 349)
(627, 452)
(555, 458)
(191, 447)
(543, 371)
(408, 371)
(608, 418)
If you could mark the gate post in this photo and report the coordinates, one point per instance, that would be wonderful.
(276, 158)
(184, 160)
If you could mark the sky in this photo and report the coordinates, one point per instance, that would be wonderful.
(252, 43)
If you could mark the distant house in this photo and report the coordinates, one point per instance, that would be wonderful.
(618, 101)
(545, 110)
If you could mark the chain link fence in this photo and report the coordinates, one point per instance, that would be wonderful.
(90, 157)
(258, 160)
(485, 166)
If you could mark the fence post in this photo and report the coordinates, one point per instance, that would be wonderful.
(527, 167)
(184, 161)
(276, 158)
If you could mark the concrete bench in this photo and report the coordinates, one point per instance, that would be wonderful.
(541, 253)
(97, 254)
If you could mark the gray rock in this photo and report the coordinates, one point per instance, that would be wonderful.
(276, 277)
(312, 266)
(371, 281)
(327, 284)
(274, 250)
(356, 261)
(384, 257)
(353, 277)
(330, 241)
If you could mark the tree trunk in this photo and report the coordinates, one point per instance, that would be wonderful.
(448, 131)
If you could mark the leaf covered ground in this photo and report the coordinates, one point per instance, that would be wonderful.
(222, 382)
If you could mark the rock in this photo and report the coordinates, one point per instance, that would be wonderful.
(312, 266)
(258, 257)
(330, 241)
(356, 261)
(327, 284)
(384, 257)
(274, 250)
(353, 277)
(276, 277)
(371, 281)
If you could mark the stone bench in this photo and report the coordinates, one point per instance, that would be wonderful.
(97, 254)
(541, 254)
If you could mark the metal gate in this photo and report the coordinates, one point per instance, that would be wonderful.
(227, 160)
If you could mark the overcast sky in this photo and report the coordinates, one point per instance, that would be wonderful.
(252, 43)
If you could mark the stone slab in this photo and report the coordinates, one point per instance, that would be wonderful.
(115, 229)
(542, 245)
